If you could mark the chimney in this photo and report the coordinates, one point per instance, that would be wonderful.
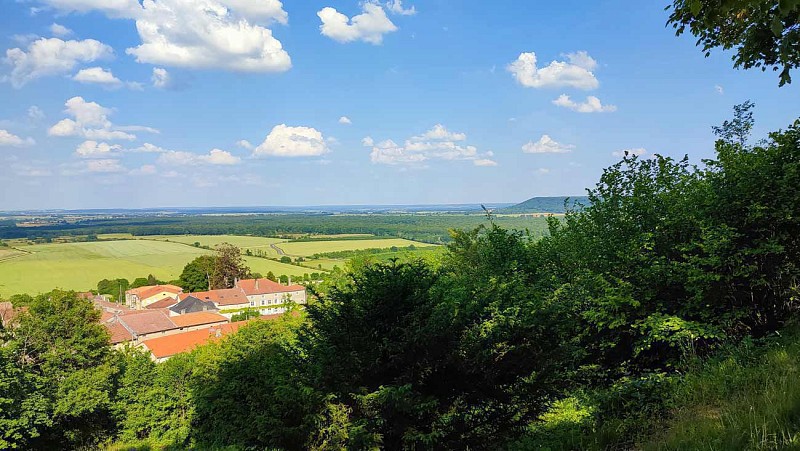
(183, 311)
(290, 281)
(256, 284)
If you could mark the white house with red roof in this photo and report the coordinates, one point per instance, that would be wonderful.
(271, 297)
(139, 298)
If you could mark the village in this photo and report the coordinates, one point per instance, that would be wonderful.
(165, 321)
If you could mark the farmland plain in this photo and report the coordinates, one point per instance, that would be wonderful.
(79, 266)
(309, 248)
(254, 243)
(37, 268)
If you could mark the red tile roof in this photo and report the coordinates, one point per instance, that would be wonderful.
(198, 319)
(162, 347)
(228, 296)
(150, 290)
(266, 286)
(147, 321)
(166, 302)
(119, 334)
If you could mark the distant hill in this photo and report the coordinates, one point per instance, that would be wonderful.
(543, 205)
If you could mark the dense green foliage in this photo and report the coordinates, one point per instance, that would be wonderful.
(56, 373)
(220, 270)
(638, 321)
(764, 33)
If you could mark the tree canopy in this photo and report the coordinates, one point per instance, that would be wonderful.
(762, 33)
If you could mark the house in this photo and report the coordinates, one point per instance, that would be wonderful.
(271, 297)
(162, 348)
(228, 301)
(196, 320)
(167, 302)
(139, 298)
(135, 326)
(191, 304)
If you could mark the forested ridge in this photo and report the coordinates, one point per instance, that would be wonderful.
(506, 342)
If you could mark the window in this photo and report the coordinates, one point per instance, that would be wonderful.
(252, 303)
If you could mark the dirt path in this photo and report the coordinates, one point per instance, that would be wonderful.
(277, 249)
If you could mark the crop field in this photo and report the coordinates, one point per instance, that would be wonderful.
(309, 248)
(244, 242)
(79, 266)
(6, 254)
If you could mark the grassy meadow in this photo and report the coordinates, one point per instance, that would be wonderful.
(79, 266)
(252, 243)
(37, 268)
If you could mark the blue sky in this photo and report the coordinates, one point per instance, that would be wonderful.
(113, 103)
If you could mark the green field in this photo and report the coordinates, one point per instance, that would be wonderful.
(79, 266)
(253, 243)
(309, 248)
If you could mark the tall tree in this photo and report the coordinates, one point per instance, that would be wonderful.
(56, 362)
(764, 33)
(197, 274)
(228, 266)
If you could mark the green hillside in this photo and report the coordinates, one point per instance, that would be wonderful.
(543, 205)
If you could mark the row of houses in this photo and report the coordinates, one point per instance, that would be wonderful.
(165, 321)
(264, 295)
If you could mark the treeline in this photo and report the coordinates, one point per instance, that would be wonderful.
(433, 228)
(363, 252)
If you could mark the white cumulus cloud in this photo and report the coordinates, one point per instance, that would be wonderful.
(285, 141)
(94, 149)
(369, 26)
(60, 30)
(182, 158)
(344, 120)
(161, 78)
(8, 139)
(209, 34)
(396, 7)
(199, 34)
(90, 120)
(591, 105)
(244, 144)
(576, 72)
(97, 75)
(438, 143)
(52, 56)
(546, 144)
